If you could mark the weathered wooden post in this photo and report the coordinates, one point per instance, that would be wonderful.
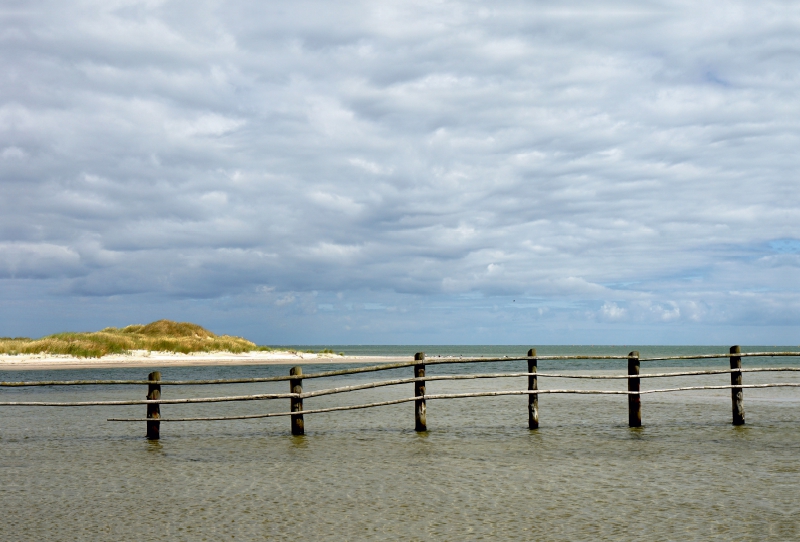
(153, 410)
(420, 419)
(296, 386)
(533, 398)
(737, 397)
(634, 399)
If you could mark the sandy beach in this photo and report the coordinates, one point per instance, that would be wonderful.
(144, 358)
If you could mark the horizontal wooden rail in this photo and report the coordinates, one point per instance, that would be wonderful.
(658, 375)
(29, 383)
(382, 367)
(338, 372)
(717, 356)
(259, 397)
(460, 396)
(398, 381)
(268, 396)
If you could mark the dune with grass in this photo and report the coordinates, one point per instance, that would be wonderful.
(159, 336)
(160, 343)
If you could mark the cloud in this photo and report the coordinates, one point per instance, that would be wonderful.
(37, 260)
(203, 125)
(603, 165)
(610, 311)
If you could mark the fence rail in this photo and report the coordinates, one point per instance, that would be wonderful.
(389, 366)
(296, 394)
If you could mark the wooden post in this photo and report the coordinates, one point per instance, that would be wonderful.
(634, 399)
(533, 398)
(420, 419)
(153, 410)
(737, 398)
(296, 386)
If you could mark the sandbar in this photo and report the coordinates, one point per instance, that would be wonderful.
(143, 358)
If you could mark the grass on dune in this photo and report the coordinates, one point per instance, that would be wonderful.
(161, 336)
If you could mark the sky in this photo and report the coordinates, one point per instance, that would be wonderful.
(403, 172)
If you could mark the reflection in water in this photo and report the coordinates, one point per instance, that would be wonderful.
(636, 433)
(154, 447)
(299, 442)
(477, 472)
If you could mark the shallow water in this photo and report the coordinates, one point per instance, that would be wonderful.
(67, 474)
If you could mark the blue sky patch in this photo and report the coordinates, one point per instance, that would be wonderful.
(785, 246)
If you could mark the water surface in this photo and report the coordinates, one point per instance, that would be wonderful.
(67, 474)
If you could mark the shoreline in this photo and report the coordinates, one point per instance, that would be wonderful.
(170, 359)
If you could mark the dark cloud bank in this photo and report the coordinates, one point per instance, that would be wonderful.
(513, 172)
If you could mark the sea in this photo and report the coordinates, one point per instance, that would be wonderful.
(477, 473)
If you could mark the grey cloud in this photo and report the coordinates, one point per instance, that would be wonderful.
(37, 260)
(606, 165)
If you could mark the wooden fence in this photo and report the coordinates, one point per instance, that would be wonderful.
(296, 395)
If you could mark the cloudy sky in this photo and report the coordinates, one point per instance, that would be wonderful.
(403, 172)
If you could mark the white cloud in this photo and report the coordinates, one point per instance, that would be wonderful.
(203, 125)
(610, 311)
(372, 167)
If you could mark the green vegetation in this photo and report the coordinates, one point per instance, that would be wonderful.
(162, 336)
